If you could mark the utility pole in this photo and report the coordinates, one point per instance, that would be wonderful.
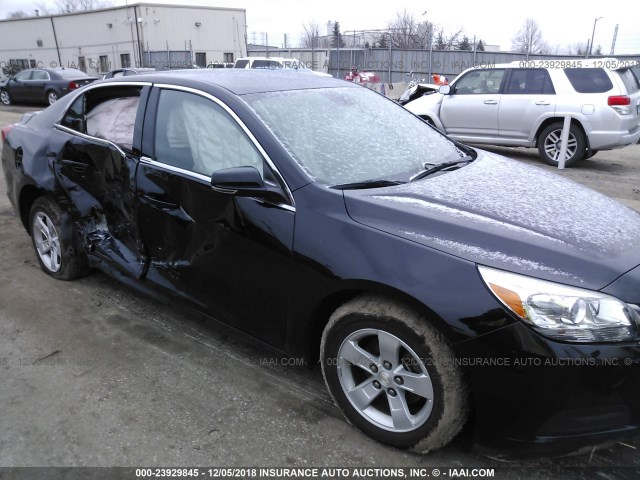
(613, 43)
(593, 34)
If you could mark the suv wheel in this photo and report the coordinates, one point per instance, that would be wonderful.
(549, 144)
(393, 375)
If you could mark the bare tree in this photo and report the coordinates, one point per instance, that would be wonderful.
(529, 38)
(445, 41)
(407, 32)
(578, 48)
(311, 37)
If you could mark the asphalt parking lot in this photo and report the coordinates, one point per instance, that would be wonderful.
(96, 375)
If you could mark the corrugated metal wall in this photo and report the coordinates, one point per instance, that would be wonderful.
(393, 66)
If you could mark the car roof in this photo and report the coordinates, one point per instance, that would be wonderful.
(240, 81)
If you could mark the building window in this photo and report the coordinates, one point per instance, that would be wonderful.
(32, 63)
(228, 57)
(201, 60)
(125, 60)
(82, 64)
(39, 42)
(104, 63)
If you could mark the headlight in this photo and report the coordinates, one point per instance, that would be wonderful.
(561, 312)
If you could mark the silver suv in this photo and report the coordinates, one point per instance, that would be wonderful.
(523, 104)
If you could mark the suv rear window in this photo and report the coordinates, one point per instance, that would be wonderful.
(631, 82)
(589, 80)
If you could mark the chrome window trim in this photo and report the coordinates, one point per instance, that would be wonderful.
(244, 128)
(85, 88)
(89, 137)
(204, 179)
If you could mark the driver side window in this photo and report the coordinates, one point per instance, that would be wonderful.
(196, 134)
(480, 82)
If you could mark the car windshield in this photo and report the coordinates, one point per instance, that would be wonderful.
(71, 73)
(351, 134)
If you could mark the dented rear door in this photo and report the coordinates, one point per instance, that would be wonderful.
(98, 176)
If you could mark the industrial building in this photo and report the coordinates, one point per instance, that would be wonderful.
(140, 34)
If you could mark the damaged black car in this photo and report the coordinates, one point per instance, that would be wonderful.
(437, 285)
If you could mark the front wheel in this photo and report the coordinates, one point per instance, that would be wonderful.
(549, 144)
(52, 236)
(5, 97)
(52, 97)
(393, 375)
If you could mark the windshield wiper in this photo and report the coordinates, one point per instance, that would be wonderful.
(440, 166)
(367, 184)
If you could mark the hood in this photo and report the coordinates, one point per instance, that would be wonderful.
(501, 213)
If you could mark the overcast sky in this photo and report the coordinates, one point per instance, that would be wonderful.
(495, 22)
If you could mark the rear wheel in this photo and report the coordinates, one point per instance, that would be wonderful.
(52, 97)
(590, 153)
(52, 235)
(5, 97)
(393, 375)
(549, 144)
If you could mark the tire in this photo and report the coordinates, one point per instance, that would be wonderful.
(549, 144)
(52, 238)
(365, 386)
(428, 120)
(52, 97)
(5, 97)
(590, 153)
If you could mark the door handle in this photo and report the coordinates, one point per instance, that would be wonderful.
(543, 102)
(159, 203)
(491, 102)
(75, 165)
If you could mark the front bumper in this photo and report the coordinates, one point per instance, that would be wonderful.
(533, 395)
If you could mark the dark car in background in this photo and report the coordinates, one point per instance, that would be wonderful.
(42, 85)
(433, 282)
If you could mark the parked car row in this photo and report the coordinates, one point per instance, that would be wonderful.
(42, 85)
(525, 106)
(433, 282)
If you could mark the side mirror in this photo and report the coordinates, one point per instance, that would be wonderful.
(243, 182)
(445, 89)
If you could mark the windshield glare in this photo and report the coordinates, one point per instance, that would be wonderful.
(351, 134)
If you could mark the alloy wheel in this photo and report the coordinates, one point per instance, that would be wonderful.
(385, 380)
(47, 242)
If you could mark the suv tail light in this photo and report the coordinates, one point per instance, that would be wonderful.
(5, 131)
(620, 103)
(73, 85)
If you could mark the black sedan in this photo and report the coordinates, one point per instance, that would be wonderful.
(42, 85)
(434, 283)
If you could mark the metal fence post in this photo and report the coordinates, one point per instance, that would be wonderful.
(564, 140)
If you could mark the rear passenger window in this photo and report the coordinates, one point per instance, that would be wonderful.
(631, 82)
(108, 113)
(529, 81)
(74, 118)
(589, 80)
